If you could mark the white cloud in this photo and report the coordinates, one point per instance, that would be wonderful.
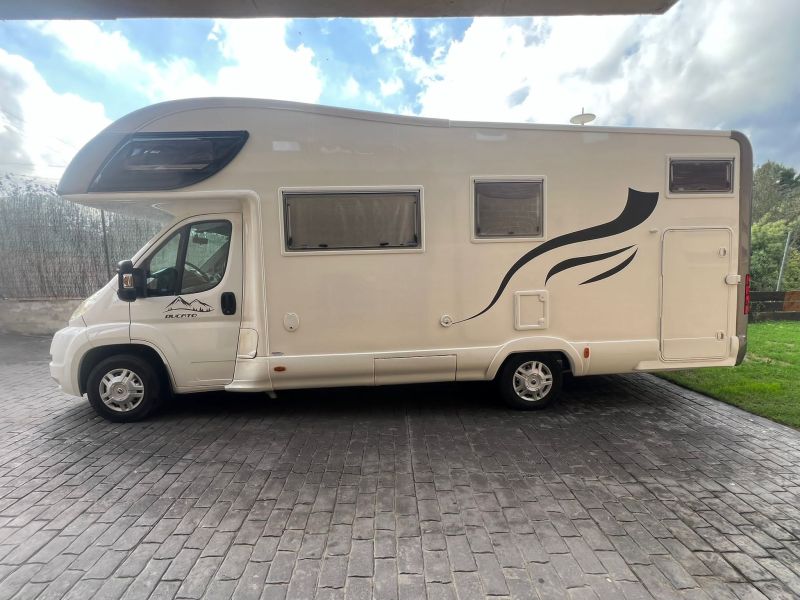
(396, 36)
(391, 86)
(40, 129)
(730, 60)
(110, 53)
(260, 64)
(436, 31)
(392, 33)
(521, 70)
(704, 64)
(351, 88)
(263, 65)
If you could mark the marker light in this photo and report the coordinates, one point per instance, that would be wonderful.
(166, 161)
(747, 294)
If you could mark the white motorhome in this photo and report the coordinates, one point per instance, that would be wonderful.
(312, 247)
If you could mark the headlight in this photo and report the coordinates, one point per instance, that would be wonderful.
(85, 305)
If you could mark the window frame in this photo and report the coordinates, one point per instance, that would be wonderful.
(400, 189)
(183, 231)
(185, 250)
(700, 157)
(145, 262)
(473, 209)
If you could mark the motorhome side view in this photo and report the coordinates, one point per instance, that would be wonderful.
(314, 247)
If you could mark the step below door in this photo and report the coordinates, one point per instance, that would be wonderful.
(695, 294)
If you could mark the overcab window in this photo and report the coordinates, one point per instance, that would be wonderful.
(167, 161)
(509, 208)
(379, 220)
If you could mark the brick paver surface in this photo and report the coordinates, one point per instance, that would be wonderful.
(630, 488)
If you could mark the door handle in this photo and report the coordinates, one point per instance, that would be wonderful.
(733, 279)
(228, 301)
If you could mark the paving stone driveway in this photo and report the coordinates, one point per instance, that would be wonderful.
(630, 488)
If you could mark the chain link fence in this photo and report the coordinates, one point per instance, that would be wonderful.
(52, 248)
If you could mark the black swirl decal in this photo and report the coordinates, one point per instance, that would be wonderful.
(582, 260)
(639, 206)
(612, 271)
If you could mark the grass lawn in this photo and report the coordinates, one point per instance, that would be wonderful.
(767, 383)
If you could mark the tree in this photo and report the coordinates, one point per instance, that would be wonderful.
(791, 273)
(767, 245)
(776, 193)
(776, 213)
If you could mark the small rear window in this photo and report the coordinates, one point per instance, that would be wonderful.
(700, 176)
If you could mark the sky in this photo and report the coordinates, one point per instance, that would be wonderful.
(706, 64)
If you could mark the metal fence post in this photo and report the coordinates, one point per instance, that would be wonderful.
(105, 242)
(783, 260)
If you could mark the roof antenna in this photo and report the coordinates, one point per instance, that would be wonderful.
(583, 118)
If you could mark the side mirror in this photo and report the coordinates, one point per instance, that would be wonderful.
(130, 281)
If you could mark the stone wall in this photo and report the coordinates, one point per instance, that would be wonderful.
(35, 317)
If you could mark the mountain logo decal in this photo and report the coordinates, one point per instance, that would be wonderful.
(181, 305)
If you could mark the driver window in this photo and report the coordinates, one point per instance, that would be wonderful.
(206, 256)
(162, 268)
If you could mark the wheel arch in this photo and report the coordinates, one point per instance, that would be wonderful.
(144, 351)
(534, 346)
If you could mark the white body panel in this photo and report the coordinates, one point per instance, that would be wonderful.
(329, 318)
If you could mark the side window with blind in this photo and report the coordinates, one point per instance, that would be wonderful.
(379, 220)
(509, 209)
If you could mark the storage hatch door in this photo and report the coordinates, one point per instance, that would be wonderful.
(695, 294)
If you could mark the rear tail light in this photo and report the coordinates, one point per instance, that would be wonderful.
(747, 294)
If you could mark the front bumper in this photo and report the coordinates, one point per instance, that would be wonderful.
(66, 349)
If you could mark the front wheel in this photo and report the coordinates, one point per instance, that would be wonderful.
(530, 382)
(123, 388)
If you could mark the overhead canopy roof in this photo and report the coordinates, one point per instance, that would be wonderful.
(119, 9)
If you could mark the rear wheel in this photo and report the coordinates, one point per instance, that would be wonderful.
(530, 381)
(123, 388)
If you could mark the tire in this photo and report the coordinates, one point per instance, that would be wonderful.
(539, 370)
(123, 388)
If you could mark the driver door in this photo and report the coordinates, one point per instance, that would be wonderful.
(192, 310)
